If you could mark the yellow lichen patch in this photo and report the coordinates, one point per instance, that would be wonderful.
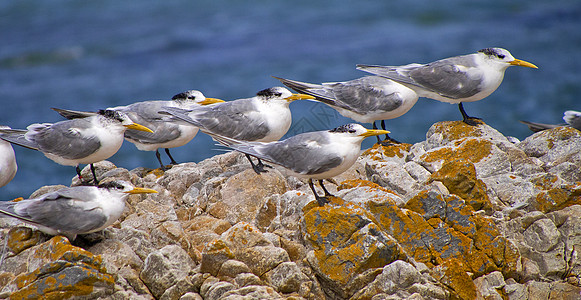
(353, 183)
(157, 172)
(379, 152)
(71, 271)
(559, 134)
(21, 238)
(473, 150)
(558, 198)
(545, 181)
(409, 228)
(454, 130)
(347, 241)
(451, 274)
(459, 176)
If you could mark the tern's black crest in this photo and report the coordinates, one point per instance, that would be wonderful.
(344, 128)
(269, 93)
(183, 95)
(111, 185)
(491, 52)
(111, 114)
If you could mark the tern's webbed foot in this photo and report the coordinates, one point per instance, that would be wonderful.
(472, 121)
(259, 168)
(322, 200)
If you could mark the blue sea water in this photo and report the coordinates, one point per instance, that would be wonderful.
(88, 55)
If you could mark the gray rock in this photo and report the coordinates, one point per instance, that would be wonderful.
(542, 235)
(286, 277)
(166, 267)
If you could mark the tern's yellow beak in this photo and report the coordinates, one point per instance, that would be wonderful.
(211, 101)
(294, 97)
(374, 132)
(138, 190)
(136, 126)
(522, 63)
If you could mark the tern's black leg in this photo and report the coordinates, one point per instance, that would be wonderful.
(320, 200)
(95, 181)
(161, 166)
(172, 162)
(377, 136)
(388, 141)
(466, 118)
(259, 168)
(324, 189)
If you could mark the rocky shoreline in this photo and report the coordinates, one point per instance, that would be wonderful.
(465, 214)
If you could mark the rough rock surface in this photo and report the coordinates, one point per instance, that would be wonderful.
(465, 214)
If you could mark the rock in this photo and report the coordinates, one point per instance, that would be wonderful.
(64, 271)
(542, 235)
(165, 268)
(286, 277)
(346, 242)
(465, 214)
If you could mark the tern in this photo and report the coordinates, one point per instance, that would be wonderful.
(314, 155)
(74, 210)
(8, 166)
(87, 138)
(264, 118)
(366, 100)
(166, 134)
(572, 119)
(458, 79)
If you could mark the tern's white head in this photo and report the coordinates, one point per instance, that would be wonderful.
(195, 97)
(114, 116)
(502, 58)
(357, 131)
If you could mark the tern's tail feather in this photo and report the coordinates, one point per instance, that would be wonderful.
(73, 114)
(394, 73)
(180, 114)
(536, 127)
(573, 118)
(314, 90)
(17, 137)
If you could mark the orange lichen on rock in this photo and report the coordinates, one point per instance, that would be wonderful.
(451, 274)
(379, 152)
(71, 271)
(347, 241)
(459, 176)
(22, 238)
(558, 198)
(454, 130)
(473, 150)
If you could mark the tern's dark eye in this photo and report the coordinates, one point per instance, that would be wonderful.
(351, 130)
(501, 56)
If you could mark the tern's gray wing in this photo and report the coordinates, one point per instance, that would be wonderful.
(17, 137)
(147, 114)
(365, 95)
(446, 77)
(304, 153)
(65, 139)
(235, 119)
(536, 127)
(573, 118)
(66, 210)
(361, 95)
